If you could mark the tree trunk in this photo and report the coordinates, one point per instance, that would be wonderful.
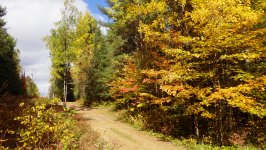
(196, 126)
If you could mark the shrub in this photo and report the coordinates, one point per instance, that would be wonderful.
(42, 126)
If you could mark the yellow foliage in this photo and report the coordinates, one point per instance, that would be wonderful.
(43, 126)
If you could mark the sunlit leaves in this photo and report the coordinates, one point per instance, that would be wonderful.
(42, 125)
(60, 43)
(212, 55)
(83, 52)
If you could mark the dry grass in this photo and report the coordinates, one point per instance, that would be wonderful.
(89, 138)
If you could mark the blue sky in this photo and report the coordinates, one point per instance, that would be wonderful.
(29, 21)
(92, 6)
(93, 9)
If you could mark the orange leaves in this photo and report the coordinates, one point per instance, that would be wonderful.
(126, 85)
(126, 90)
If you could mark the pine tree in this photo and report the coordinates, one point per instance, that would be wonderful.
(9, 61)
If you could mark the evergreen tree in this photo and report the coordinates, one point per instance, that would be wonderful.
(9, 61)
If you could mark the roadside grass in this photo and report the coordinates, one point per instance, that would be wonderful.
(190, 143)
(87, 139)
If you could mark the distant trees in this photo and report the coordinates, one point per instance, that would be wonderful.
(9, 61)
(79, 57)
(88, 46)
(30, 89)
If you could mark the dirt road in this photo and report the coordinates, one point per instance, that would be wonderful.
(119, 135)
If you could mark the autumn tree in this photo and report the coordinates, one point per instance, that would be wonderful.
(84, 52)
(218, 52)
(198, 62)
(60, 44)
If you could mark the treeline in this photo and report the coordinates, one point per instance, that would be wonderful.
(12, 80)
(185, 68)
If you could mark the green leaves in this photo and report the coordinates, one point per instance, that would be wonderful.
(60, 43)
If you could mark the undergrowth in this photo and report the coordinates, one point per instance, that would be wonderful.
(186, 143)
(42, 124)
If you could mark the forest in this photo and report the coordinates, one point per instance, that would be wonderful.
(187, 69)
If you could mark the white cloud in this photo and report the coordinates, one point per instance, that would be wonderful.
(29, 21)
(104, 30)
